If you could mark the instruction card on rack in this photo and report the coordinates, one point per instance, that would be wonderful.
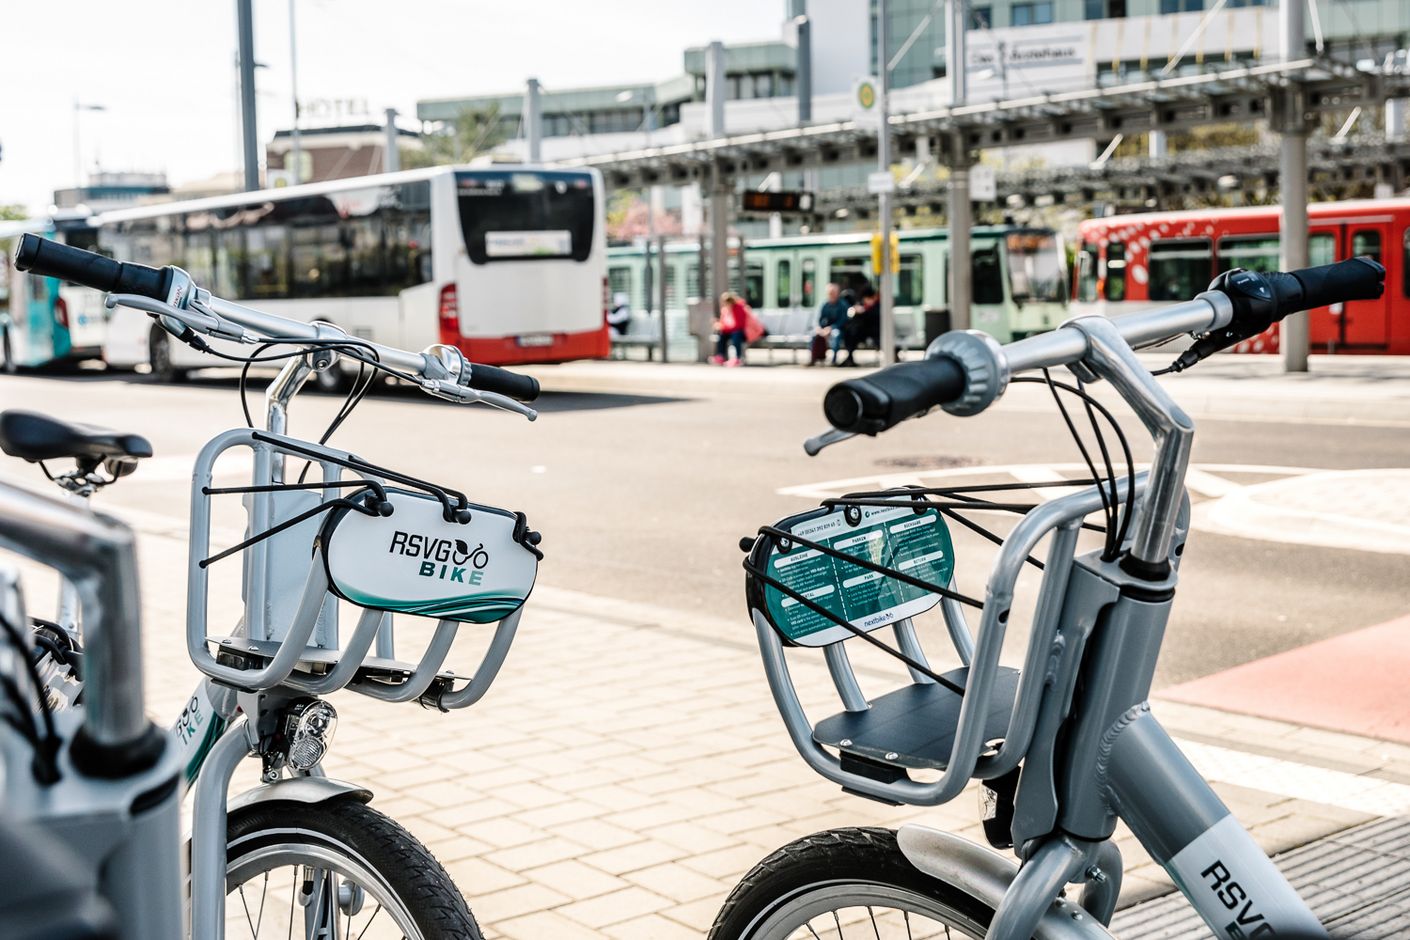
(916, 544)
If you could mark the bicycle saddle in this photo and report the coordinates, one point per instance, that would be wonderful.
(32, 436)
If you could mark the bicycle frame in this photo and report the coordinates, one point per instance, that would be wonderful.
(1092, 752)
(212, 737)
(117, 802)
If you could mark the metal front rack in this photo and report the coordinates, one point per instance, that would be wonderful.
(290, 634)
(975, 721)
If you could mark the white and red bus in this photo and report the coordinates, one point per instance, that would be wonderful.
(1127, 261)
(508, 263)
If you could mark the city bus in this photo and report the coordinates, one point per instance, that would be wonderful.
(45, 321)
(1128, 261)
(508, 263)
(1018, 278)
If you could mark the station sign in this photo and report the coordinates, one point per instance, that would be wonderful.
(787, 201)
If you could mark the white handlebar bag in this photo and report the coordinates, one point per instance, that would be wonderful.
(414, 561)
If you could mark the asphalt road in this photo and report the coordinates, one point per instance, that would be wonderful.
(643, 484)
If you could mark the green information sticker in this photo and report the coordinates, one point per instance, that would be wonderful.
(915, 544)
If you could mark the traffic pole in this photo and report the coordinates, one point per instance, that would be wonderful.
(1292, 170)
(887, 338)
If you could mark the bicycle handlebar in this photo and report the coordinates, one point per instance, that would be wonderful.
(54, 259)
(1238, 304)
(184, 309)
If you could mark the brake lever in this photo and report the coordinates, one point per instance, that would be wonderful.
(814, 445)
(192, 319)
(461, 394)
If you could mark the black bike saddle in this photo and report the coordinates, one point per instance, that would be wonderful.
(32, 436)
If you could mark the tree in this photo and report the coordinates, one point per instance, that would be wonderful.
(467, 135)
(12, 213)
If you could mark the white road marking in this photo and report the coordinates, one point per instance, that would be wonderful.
(1356, 792)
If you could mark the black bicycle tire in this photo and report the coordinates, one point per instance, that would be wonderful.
(857, 855)
(406, 866)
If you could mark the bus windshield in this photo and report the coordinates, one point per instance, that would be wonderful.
(508, 215)
(1035, 267)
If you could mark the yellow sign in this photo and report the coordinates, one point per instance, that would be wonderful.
(866, 95)
(895, 253)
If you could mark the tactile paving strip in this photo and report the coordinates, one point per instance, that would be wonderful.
(1357, 882)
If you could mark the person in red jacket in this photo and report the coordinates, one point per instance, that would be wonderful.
(734, 328)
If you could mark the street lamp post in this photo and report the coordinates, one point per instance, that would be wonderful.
(78, 108)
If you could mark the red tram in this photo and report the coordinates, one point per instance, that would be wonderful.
(1165, 257)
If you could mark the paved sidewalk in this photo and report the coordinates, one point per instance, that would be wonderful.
(629, 766)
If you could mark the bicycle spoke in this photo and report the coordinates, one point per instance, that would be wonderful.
(293, 903)
(812, 931)
(874, 929)
(838, 921)
(906, 916)
(363, 931)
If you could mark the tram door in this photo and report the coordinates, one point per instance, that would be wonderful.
(1359, 324)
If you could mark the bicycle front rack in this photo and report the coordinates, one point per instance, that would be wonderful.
(402, 545)
(872, 561)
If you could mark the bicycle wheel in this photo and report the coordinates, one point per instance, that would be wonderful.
(846, 883)
(338, 870)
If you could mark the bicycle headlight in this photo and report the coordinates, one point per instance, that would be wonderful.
(310, 732)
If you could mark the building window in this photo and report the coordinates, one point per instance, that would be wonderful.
(1105, 9)
(981, 17)
(1036, 12)
(1181, 6)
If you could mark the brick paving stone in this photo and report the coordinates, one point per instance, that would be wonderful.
(476, 877)
(616, 907)
(545, 925)
(634, 857)
(598, 834)
(678, 883)
(575, 879)
(651, 927)
(533, 854)
(508, 903)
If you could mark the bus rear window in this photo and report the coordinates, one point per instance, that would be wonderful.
(509, 215)
(1180, 268)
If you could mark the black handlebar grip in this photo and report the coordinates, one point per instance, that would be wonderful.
(491, 379)
(879, 401)
(55, 259)
(1353, 279)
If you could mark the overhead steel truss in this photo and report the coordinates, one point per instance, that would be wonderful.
(1337, 169)
(1228, 94)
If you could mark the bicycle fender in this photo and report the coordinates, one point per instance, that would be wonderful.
(300, 790)
(985, 876)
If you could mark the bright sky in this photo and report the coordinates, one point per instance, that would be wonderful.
(164, 72)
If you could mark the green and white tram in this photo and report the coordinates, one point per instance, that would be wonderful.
(1018, 279)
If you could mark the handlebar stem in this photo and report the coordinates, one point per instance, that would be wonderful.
(1110, 356)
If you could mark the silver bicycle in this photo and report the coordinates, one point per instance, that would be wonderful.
(1066, 746)
(301, 853)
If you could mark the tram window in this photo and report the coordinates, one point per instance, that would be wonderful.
(810, 277)
(1321, 249)
(986, 276)
(754, 284)
(1180, 268)
(850, 273)
(1250, 252)
(784, 283)
(1115, 271)
(1087, 272)
(910, 283)
(1366, 242)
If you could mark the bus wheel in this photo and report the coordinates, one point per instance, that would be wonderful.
(159, 358)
